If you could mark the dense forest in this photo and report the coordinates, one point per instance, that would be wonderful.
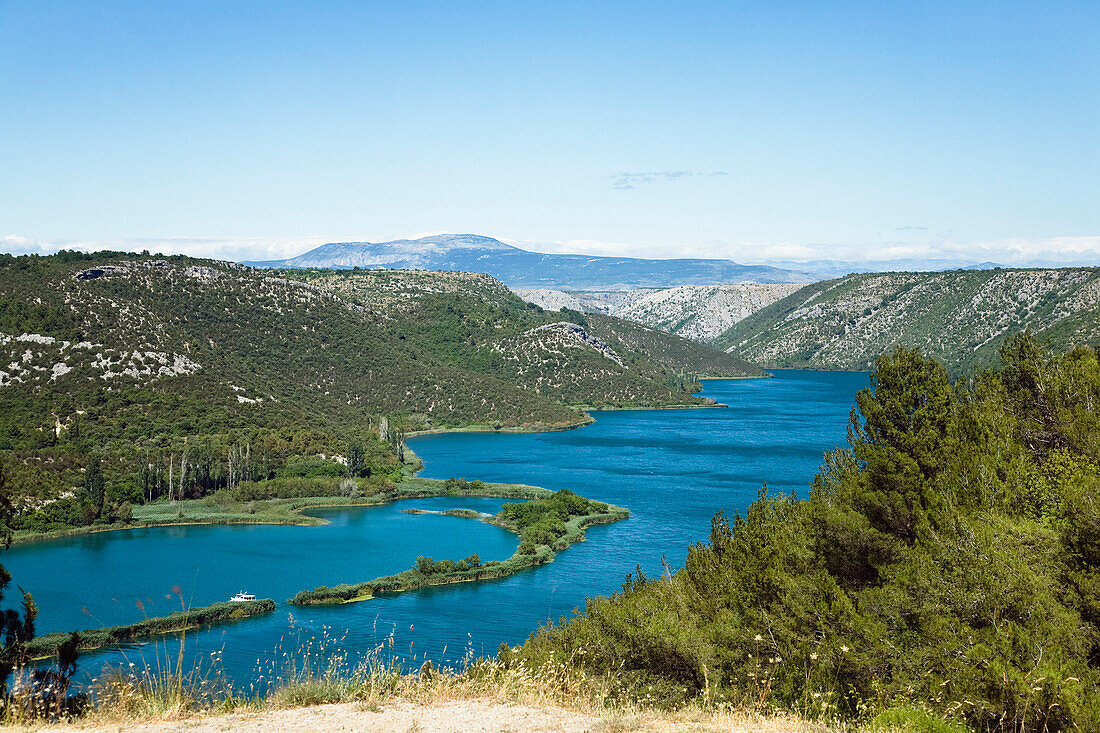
(948, 559)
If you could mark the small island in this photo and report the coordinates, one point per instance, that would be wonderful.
(463, 513)
(44, 647)
(545, 527)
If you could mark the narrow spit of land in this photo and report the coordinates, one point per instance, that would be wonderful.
(545, 525)
(43, 647)
(294, 510)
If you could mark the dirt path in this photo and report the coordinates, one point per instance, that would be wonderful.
(462, 716)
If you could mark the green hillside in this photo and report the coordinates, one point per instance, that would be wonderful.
(472, 321)
(960, 317)
(182, 377)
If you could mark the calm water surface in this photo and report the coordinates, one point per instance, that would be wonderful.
(672, 468)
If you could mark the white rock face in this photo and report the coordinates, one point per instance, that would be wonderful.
(573, 336)
(32, 358)
(697, 312)
(551, 300)
(956, 316)
(203, 273)
(703, 312)
(35, 338)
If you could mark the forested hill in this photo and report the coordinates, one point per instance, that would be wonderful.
(945, 565)
(960, 317)
(134, 358)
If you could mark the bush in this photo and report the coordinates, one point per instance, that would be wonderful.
(311, 467)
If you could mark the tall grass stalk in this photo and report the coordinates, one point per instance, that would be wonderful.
(319, 671)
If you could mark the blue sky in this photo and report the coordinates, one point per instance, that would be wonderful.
(748, 130)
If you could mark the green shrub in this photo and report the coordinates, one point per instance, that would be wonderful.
(311, 467)
(908, 719)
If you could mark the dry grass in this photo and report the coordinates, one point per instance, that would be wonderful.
(484, 696)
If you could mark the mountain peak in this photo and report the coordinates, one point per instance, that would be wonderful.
(520, 268)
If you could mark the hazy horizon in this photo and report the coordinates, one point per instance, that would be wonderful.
(1063, 252)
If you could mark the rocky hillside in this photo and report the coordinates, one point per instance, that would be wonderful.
(697, 312)
(553, 300)
(161, 344)
(678, 355)
(440, 349)
(607, 302)
(702, 312)
(959, 317)
(567, 356)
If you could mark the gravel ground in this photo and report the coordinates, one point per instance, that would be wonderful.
(475, 716)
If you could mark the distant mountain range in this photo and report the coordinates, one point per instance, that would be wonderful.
(829, 269)
(519, 268)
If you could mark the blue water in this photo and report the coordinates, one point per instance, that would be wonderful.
(672, 468)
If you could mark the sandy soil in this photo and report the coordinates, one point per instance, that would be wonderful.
(475, 716)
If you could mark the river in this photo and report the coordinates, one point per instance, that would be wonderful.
(672, 468)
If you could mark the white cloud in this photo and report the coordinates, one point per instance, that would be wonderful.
(19, 245)
(1051, 250)
(1083, 250)
(625, 181)
(1080, 250)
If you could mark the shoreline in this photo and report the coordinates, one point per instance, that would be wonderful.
(704, 406)
(295, 508)
(297, 517)
(491, 429)
(585, 409)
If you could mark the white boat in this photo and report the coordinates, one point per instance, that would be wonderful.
(242, 597)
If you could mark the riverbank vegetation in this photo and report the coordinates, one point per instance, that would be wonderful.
(117, 490)
(545, 527)
(46, 646)
(290, 501)
(948, 559)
